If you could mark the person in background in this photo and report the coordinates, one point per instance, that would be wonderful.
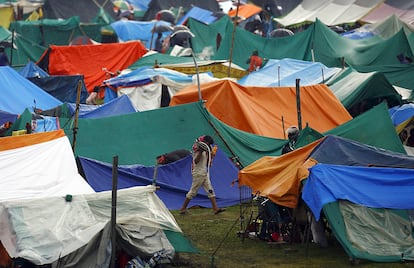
(203, 154)
(255, 61)
(293, 134)
(4, 60)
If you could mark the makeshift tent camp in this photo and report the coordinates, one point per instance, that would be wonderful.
(18, 93)
(70, 60)
(368, 208)
(148, 88)
(359, 92)
(173, 180)
(279, 177)
(317, 43)
(328, 11)
(50, 187)
(267, 111)
(284, 73)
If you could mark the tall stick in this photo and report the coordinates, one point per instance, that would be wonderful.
(200, 98)
(75, 127)
(298, 104)
(113, 209)
(232, 38)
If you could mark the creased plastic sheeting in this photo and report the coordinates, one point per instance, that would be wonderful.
(329, 12)
(368, 186)
(284, 73)
(264, 110)
(70, 60)
(47, 168)
(58, 227)
(174, 180)
(378, 232)
(18, 93)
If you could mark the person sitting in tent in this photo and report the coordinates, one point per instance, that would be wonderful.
(255, 61)
(293, 134)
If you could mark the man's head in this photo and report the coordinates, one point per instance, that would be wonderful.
(206, 139)
(292, 133)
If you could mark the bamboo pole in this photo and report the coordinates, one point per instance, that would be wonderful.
(232, 38)
(113, 209)
(75, 127)
(298, 104)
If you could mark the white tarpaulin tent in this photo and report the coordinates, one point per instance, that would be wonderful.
(330, 12)
(39, 165)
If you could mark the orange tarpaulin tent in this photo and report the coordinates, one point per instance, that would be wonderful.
(267, 111)
(91, 61)
(279, 178)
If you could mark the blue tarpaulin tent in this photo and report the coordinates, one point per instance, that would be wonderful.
(174, 180)
(18, 93)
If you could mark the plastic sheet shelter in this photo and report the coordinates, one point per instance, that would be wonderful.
(70, 60)
(279, 178)
(267, 111)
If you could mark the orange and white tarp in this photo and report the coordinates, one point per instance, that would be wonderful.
(267, 111)
(39, 165)
(93, 61)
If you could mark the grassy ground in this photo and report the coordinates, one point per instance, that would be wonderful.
(218, 239)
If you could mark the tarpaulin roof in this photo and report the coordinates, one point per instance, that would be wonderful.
(86, 10)
(69, 60)
(128, 30)
(266, 110)
(117, 106)
(62, 87)
(18, 93)
(284, 73)
(279, 178)
(147, 135)
(329, 12)
(317, 43)
(387, 27)
(174, 180)
(156, 5)
(375, 187)
(403, 9)
(31, 69)
(353, 88)
(200, 14)
(49, 167)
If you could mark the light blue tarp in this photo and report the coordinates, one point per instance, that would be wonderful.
(202, 15)
(144, 75)
(17, 93)
(174, 180)
(373, 187)
(128, 30)
(284, 73)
